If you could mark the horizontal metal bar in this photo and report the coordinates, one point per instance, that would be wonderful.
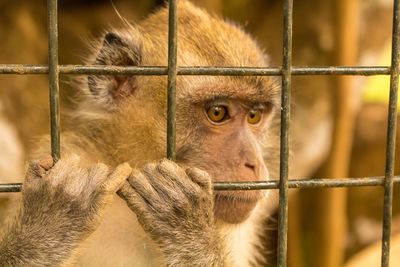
(271, 184)
(23, 69)
(305, 183)
(81, 69)
(14, 187)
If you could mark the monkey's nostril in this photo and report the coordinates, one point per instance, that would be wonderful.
(250, 166)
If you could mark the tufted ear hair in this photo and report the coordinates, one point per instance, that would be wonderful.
(121, 50)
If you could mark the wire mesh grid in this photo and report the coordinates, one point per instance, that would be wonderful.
(286, 72)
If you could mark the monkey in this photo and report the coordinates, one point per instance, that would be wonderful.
(167, 213)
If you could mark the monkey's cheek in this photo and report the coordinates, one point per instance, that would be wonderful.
(233, 211)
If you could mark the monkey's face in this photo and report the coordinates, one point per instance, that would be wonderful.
(234, 152)
(225, 138)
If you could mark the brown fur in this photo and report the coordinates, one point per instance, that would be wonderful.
(123, 119)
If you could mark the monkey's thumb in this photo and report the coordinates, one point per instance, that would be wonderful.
(116, 179)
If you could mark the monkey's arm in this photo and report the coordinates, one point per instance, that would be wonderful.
(61, 206)
(175, 207)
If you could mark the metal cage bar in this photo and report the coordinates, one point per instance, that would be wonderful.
(24, 69)
(53, 78)
(172, 58)
(391, 137)
(273, 184)
(284, 140)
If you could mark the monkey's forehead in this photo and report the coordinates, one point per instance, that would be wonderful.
(249, 89)
(203, 39)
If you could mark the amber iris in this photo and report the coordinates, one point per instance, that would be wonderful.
(217, 114)
(254, 116)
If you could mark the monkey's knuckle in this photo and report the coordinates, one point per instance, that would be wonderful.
(202, 178)
(35, 170)
(122, 171)
(166, 161)
(149, 168)
(135, 175)
(163, 167)
(169, 167)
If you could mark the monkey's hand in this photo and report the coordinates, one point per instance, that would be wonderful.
(175, 207)
(62, 205)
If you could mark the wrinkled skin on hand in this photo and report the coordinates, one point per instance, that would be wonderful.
(69, 194)
(175, 207)
(62, 205)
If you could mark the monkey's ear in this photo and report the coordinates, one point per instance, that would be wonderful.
(115, 50)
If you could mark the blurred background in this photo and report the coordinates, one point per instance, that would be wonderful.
(338, 123)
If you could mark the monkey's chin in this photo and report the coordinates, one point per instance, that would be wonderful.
(235, 207)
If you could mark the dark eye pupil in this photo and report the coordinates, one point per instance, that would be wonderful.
(217, 111)
(252, 114)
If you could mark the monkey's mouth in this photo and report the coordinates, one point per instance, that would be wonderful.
(235, 206)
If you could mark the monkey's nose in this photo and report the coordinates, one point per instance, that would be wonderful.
(258, 171)
(251, 171)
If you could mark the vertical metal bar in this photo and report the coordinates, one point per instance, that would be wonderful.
(53, 78)
(391, 137)
(284, 146)
(172, 56)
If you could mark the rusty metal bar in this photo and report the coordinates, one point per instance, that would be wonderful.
(53, 79)
(24, 69)
(391, 137)
(285, 122)
(272, 184)
(172, 70)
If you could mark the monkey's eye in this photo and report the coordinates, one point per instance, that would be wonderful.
(254, 116)
(217, 114)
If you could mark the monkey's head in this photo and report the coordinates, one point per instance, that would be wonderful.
(224, 124)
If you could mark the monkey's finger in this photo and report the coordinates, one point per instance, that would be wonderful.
(176, 176)
(34, 171)
(164, 184)
(200, 177)
(64, 169)
(171, 170)
(46, 162)
(134, 201)
(116, 179)
(139, 182)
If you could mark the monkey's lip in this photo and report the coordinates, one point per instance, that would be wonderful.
(245, 197)
(235, 206)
